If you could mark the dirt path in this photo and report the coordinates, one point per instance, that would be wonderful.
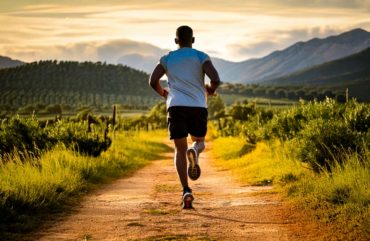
(146, 206)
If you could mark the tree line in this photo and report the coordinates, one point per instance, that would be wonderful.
(72, 83)
(285, 92)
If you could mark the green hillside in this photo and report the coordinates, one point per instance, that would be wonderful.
(279, 95)
(352, 72)
(74, 84)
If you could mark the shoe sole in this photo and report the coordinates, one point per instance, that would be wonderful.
(187, 201)
(194, 172)
(194, 169)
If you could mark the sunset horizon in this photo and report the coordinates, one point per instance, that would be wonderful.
(234, 31)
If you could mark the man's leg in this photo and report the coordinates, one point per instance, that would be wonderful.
(181, 147)
(198, 144)
(193, 156)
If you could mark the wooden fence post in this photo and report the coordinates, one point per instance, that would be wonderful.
(89, 121)
(114, 116)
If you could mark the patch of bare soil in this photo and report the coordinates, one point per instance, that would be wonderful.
(146, 206)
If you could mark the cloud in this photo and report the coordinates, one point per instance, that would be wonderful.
(110, 51)
(364, 25)
(280, 39)
(213, 5)
(327, 3)
(116, 49)
(254, 49)
(234, 29)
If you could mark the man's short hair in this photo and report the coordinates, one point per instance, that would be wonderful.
(184, 34)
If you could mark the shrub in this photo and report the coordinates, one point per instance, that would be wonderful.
(242, 111)
(324, 132)
(74, 135)
(26, 136)
(357, 116)
(23, 136)
(216, 107)
(286, 124)
(323, 143)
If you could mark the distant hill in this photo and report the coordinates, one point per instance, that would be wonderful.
(140, 62)
(75, 84)
(6, 62)
(223, 67)
(147, 63)
(351, 72)
(297, 57)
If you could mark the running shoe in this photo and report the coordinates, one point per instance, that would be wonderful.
(187, 198)
(193, 169)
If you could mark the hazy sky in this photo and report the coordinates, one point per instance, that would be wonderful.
(230, 29)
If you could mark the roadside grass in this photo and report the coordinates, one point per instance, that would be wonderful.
(338, 201)
(255, 165)
(60, 175)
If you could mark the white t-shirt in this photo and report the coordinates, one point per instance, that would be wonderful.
(185, 76)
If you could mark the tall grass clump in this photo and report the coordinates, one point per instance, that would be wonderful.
(29, 188)
(339, 198)
(254, 164)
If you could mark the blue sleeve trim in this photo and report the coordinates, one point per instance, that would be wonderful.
(203, 57)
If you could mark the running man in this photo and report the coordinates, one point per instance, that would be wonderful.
(186, 103)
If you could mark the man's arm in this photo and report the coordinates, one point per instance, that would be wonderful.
(211, 72)
(156, 75)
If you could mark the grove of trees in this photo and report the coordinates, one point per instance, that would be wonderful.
(74, 84)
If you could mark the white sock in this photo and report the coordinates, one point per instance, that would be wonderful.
(198, 146)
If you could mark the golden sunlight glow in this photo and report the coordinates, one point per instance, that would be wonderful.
(232, 30)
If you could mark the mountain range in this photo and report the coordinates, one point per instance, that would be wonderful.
(351, 72)
(298, 57)
(340, 72)
(6, 62)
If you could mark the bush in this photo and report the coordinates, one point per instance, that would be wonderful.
(286, 124)
(75, 135)
(157, 118)
(357, 116)
(216, 107)
(324, 143)
(23, 136)
(27, 137)
(323, 132)
(242, 111)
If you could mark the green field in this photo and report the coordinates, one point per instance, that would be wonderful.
(120, 113)
(230, 99)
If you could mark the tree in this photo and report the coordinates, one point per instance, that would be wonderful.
(216, 107)
(242, 111)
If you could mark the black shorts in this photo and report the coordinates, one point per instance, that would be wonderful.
(183, 120)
